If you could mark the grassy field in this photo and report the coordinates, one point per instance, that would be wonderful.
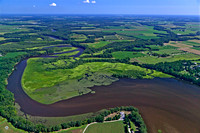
(98, 44)
(143, 32)
(168, 51)
(154, 60)
(54, 85)
(125, 54)
(78, 37)
(73, 130)
(4, 123)
(183, 32)
(2, 38)
(112, 127)
(67, 54)
(13, 55)
(11, 28)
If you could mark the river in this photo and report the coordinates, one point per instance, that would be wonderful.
(167, 104)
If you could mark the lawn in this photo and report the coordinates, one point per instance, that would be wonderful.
(125, 54)
(111, 127)
(4, 123)
(55, 85)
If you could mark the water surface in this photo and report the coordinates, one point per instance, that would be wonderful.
(167, 104)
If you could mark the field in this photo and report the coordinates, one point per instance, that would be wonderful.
(143, 32)
(10, 29)
(13, 54)
(78, 37)
(10, 129)
(68, 54)
(98, 44)
(73, 130)
(188, 46)
(112, 127)
(125, 54)
(154, 59)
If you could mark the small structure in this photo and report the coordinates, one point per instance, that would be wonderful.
(6, 127)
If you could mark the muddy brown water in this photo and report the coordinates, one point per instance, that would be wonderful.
(167, 104)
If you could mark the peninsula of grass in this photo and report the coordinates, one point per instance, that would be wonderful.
(47, 85)
(111, 127)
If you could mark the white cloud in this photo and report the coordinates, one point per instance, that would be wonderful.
(53, 4)
(86, 1)
(93, 2)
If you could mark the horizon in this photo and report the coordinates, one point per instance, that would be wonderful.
(103, 7)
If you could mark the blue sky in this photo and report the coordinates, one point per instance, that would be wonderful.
(167, 7)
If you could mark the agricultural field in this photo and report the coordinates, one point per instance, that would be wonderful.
(78, 37)
(10, 29)
(111, 127)
(154, 59)
(187, 46)
(142, 32)
(125, 54)
(98, 44)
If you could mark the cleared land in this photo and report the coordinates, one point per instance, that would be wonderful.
(111, 127)
(186, 46)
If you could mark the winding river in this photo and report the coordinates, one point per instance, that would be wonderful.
(167, 104)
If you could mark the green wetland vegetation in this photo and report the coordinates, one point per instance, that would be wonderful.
(66, 57)
(49, 86)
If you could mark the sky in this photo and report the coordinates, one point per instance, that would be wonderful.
(153, 7)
